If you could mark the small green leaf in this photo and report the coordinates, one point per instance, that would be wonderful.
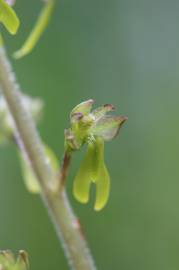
(101, 111)
(8, 17)
(37, 31)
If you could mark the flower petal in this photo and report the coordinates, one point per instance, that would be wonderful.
(101, 111)
(107, 127)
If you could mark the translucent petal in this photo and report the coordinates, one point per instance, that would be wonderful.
(107, 127)
(101, 111)
(37, 31)
(83, 108)
(8, 17)
(102, 189)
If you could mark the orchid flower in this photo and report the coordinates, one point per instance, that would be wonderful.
(92, 128)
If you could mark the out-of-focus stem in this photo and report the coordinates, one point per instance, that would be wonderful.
(65, 222)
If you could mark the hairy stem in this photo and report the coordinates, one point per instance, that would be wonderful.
(65, 222)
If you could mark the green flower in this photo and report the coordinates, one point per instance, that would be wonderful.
(92, 128)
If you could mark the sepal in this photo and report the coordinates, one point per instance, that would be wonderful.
(107, 127)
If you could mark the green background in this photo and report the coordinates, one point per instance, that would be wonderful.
(123, 52)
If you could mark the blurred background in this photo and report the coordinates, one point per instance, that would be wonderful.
(122, 52)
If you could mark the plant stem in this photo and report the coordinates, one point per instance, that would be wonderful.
(65, 222)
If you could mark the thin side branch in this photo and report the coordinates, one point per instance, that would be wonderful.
(65, 222)
(64, 170)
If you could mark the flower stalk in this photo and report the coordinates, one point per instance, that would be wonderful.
(64, 169)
